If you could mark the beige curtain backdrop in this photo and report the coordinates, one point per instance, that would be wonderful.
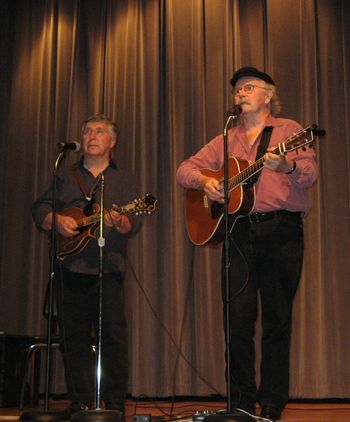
(161, 69)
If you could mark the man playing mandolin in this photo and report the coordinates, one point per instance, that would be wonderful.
(77, 272)
(265, 240)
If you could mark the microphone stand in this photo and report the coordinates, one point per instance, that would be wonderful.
(234, 416)
(46, 415)
(98, 414)
(229, 415)
(227, 265)
(101, 244)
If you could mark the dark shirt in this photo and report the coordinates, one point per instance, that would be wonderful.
(119, 188)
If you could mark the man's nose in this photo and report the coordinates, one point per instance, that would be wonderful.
(91, 134)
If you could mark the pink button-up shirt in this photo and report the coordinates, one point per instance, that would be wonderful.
(274, 190)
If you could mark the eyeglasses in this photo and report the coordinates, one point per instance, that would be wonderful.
(248, 88)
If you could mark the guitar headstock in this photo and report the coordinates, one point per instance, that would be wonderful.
(144, 205)
(300, 139)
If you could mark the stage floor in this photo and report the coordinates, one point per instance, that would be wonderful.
(184, 410)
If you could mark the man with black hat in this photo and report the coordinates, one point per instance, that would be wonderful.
(266, 246)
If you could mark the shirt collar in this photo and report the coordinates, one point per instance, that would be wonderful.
(271, 121)
(80, 164)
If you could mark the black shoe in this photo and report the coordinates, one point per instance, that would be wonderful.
(271, 412)
(114, 405)
(76, 406)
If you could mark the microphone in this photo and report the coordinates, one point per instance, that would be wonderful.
(235, 111)
(74, 146)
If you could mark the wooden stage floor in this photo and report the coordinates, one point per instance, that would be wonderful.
(184, 410)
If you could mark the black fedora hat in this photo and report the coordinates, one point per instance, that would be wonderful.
(251, 71)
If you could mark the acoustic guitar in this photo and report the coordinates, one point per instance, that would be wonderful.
(87, 225)
(204, 217)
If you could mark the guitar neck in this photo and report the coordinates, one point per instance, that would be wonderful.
(94, 218)
(289, 145)
(144, 205)
(246, 174)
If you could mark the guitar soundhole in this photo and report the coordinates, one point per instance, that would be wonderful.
(216, 210)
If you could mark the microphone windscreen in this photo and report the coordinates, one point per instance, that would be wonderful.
(235, 111)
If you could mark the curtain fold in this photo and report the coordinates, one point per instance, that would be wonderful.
(161, 69)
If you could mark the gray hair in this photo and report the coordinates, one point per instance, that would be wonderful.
(275, 104)
(112, 127)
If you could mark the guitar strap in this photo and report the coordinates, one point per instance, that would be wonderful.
(88, 210)
(263, 144)
(81, 184)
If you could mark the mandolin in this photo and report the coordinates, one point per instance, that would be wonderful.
(87, 225)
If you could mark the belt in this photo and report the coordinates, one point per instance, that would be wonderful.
(259, 217)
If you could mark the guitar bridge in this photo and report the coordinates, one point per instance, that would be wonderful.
(205, 201)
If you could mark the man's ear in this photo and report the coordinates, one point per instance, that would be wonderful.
(268, 97)
(114, 143)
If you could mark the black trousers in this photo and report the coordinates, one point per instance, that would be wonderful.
(265, 258)
(77, 297)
